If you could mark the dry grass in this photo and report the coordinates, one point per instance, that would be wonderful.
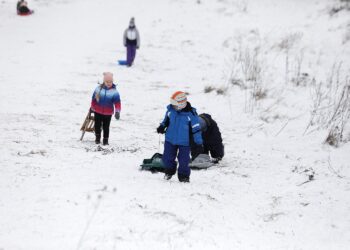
(208, 89)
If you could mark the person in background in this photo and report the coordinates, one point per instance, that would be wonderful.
(181, 127)
(131, 42)
(105, 102)
(22, 7)
(212, 140)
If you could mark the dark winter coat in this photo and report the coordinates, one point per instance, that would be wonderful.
(212, 139)
(22, 7)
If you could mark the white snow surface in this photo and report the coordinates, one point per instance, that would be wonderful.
(57, 192)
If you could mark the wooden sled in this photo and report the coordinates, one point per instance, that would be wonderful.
(88, 125)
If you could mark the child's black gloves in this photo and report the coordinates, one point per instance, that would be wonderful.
(161, 129)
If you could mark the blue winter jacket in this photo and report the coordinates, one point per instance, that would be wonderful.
(182, 126)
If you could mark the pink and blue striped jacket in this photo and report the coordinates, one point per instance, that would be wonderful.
(106, 100)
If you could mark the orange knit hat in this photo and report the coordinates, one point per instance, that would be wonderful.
(179, 99)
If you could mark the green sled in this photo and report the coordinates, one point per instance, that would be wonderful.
(155, 164)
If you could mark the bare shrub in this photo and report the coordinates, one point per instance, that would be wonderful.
(334, 10)
(259, 93)
(286, 45)
(343, 5)
(331, 105)
(221, 90)
(237, 82)
(270, 117)
(340, 117)
(346, 38)
(318, 97)
(302, 79)
(251, 67)
(298, 77)
(246, 72)
(334, 137)
(208, 89)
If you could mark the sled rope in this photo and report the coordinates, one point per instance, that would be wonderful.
(159, 143)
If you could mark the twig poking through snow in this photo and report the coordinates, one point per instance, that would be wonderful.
(311, 178)
(159, 144)
(332, 169)
(89, 221)
(285, 125)
(304, 182)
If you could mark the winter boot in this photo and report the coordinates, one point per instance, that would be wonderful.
(183, 178)
(105, 141)
(167, 176)
(216, 160)
(98, 139)
(169, 172)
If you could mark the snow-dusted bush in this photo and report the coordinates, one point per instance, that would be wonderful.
(297, 76)
(340, 116)
(287, 44)
(251, 66)
(340, 6)
(331, 105)
(246, 72)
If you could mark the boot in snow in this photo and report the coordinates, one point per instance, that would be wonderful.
(183, 178)
(169, 172)
(167, 176)
(105, 141)
(98, 139)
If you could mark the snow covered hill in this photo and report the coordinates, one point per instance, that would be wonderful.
(57, 192)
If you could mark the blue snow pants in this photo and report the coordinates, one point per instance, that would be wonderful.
(183, 155)
(130, 54)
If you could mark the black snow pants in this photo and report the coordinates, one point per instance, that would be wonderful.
(102, 121)
(216, 150)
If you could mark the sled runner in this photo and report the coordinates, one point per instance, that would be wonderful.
(122, 62)
(88, 125)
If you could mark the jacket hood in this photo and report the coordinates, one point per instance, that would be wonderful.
(205, 120)
(205, 115)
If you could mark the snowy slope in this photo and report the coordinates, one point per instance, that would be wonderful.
(59, 193)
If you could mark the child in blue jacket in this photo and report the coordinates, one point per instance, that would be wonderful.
(182, 130)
